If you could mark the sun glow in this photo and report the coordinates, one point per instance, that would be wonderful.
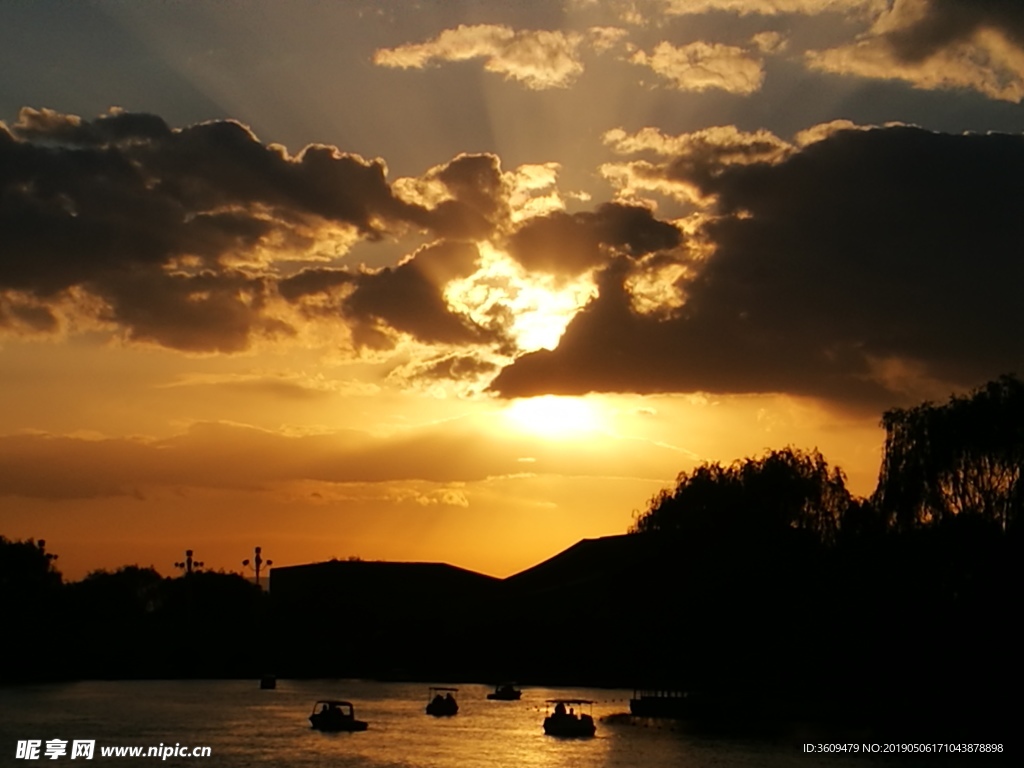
(536, 307)
(554, 417)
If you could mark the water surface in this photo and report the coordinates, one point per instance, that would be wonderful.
(249, 728)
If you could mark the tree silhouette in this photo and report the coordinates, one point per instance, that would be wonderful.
(117, 615)
(26, 568)
(782, 490)
(30, 607)
(954, 461)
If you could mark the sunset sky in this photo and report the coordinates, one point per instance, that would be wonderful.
(470, 281)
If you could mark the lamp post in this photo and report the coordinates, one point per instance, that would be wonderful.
(189, 564)
(258, 561)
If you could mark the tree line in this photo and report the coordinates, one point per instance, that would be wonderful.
(127, 623)
(900, 603)
(957, 463)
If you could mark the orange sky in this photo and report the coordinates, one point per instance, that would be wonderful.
(470, 282)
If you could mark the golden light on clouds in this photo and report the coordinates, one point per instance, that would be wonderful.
(537, 58)
(534, 191)
(704, 66)
(772, 7)
(633, 179)
(534, 308)
(690, 156)
(933, 45)
(657, 288)
(725, 143)
(988, 62)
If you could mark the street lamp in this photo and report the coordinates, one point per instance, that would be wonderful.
(189, 565)
(257, 562)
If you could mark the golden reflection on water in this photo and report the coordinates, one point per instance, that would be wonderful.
(251, 728)
(247, 727)
(484, 733)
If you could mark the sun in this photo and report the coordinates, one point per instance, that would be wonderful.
(539, 307)
(554, 417)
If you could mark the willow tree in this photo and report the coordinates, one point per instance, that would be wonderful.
(961, 459)
(784, 489)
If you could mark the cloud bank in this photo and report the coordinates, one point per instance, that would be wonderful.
(235, 457)
(855, 264)
(192, 238)
(939, 44)
(859, 266)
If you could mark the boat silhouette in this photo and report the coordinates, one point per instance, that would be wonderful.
(505, 692)
(566, 722)
(335, 715)
(442, 703)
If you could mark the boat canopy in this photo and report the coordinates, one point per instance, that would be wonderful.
(569, 701)
(344, 708)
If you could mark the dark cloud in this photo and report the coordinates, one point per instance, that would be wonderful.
(947, 22)
(440, 263)
(117, 126)
(38, 319)
(479, 204)
(155, 222)
(217, 164)
(563, 243)
(457, 368)
(407, 298)
(863, 261)
(318, 280)
(205, 312)
(200, 168)
(70, 215)
(939, 44)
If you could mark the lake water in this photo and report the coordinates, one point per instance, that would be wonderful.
(249, 728)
